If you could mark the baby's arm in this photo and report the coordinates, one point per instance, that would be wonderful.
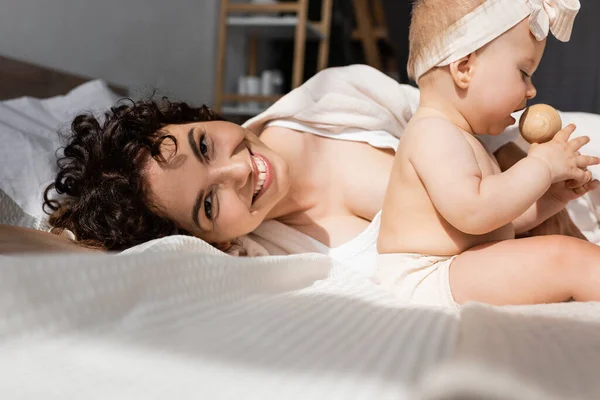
(558, 224)
(539, 212)
(561, 192)
(551, 203)
(448, 168)
(542, 209)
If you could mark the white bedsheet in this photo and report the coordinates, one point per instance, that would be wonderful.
(172, 325)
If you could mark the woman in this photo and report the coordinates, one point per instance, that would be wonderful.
(151, 170)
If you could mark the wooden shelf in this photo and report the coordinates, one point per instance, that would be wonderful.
(377, 32)
(274, 27)
(263, 8)
(371, 28)
(242, 110)
(296, 27)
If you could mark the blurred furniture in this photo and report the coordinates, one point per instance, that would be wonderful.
(271, 20)
(371, 30)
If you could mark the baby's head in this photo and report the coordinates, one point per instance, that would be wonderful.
(429, 22)
(479, 55)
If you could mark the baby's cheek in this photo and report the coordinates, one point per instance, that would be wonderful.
(504, 99)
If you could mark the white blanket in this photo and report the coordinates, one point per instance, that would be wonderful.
(169, 325)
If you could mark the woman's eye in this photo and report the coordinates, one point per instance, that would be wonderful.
(203, 146)
(208, 207)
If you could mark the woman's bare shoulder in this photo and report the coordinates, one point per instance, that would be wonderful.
(18, 240)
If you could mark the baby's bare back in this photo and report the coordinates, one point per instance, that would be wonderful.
(410, 222)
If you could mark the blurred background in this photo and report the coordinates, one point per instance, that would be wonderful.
(240, 56)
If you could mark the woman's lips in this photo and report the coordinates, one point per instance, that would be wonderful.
(268, 176)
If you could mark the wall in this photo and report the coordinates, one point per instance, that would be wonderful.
(569, 74)
(141, 44)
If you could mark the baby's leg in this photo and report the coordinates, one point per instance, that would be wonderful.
(545, 269)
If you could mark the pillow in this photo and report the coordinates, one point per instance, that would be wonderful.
(29, 133)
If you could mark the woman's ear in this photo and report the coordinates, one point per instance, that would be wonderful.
(462, 70)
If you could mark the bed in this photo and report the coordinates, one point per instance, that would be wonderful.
(21, 78)
(180, 319)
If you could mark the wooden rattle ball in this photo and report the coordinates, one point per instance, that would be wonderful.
(539, 123)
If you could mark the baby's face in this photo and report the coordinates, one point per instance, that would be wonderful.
(501, 83)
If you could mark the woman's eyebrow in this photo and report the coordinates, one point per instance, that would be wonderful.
(193, 144)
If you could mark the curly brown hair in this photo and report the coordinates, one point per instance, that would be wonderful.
(102, 194)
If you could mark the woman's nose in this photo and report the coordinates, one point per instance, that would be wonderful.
(235, 172)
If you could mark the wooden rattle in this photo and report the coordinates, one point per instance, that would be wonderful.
(539, 123)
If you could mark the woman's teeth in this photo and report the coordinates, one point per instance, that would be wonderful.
(262, 174)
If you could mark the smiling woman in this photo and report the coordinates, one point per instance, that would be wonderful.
(104, 195)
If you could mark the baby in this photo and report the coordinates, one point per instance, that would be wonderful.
(450, 216)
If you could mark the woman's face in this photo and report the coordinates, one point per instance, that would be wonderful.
(220, 183)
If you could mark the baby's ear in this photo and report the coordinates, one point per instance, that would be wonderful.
(462, 70)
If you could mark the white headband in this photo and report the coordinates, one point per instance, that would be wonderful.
(492, 19)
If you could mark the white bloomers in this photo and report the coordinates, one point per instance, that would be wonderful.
(416, 279)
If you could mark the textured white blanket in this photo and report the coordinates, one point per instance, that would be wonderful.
(165, 325)
(177, 326)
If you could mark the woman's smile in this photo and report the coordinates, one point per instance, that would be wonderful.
(263, 175)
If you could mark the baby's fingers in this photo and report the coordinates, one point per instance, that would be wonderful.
(574, 183)
(585, 161)
(578, 142)
(579, 178)
(566, 132)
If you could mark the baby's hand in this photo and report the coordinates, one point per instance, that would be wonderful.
(562, 157)
(566, 191)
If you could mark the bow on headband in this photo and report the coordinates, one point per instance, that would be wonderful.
(552, 15)
(490, 20)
